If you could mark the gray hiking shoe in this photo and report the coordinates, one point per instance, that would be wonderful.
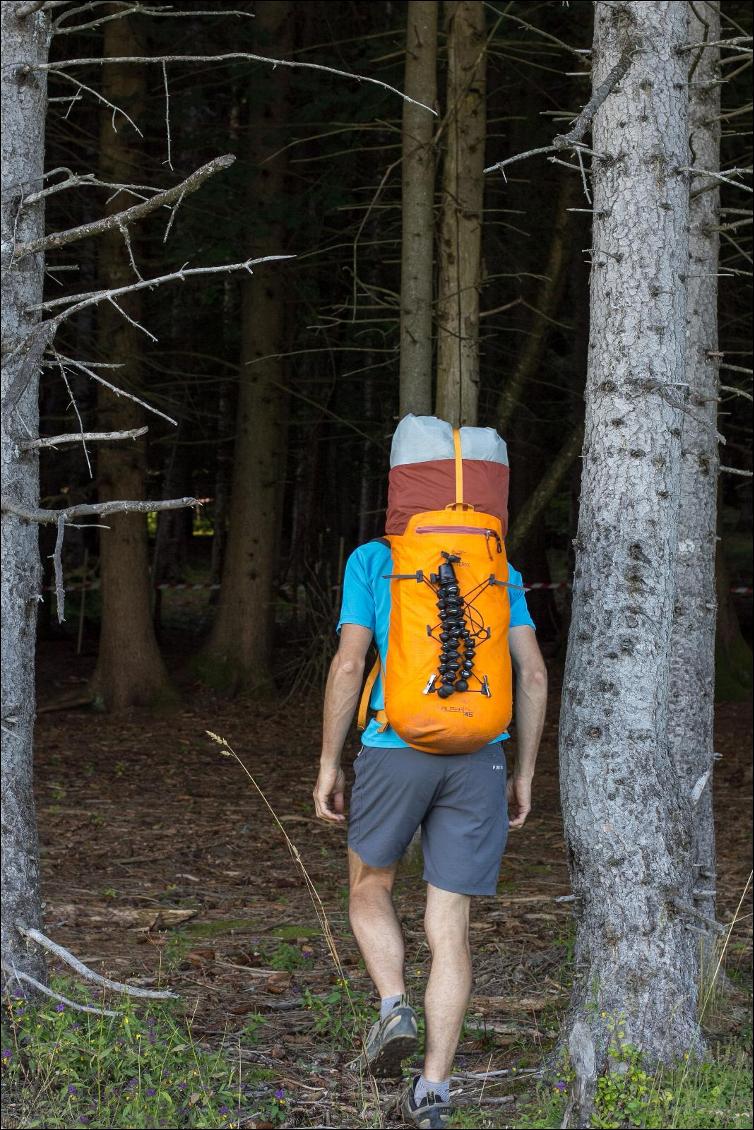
(389, 1041)
(430, 1114)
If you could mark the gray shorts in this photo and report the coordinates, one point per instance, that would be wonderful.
(458, 800)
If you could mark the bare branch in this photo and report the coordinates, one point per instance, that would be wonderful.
(81, 301)
(143, 10)
(21, 976)
(229, 56)
(584, 120)
(84, 970)
(113, 388)
(128, 215)
(57, 562)
(735, 471)
(89, 509)
(726, 178)
(24, 10)
(54, 70)
(75, 180)
(77, 437)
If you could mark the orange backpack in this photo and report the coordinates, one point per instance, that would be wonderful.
(447, 682)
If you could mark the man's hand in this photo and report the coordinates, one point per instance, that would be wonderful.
(329, 794)
(519, 800)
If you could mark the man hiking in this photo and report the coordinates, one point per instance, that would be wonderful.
(459, 795)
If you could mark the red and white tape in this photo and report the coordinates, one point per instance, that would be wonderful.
(532, 586)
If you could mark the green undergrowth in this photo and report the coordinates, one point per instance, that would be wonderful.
(141, 1068)
(694, 1095)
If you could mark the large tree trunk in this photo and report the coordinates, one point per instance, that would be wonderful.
(626, 812)
(417, 245)
(240, 644)
(692, 659)
(130, 670)
(25, 42)
(460, 273)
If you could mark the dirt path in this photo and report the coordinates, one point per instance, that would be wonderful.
(141, 813)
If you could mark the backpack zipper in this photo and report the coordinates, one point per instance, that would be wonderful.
(464, 530)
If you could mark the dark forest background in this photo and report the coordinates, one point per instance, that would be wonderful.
(285, 386)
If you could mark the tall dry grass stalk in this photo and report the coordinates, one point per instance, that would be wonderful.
(227, 751)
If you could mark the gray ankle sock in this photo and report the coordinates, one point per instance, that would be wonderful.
(426, 1086)
(387, 1004)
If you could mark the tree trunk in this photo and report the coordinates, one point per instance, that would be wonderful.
(462, 202)
(548, 301)
(692, 657)
(418, 210)
(25, 42)
(240, 644)
(130, 670)
(626, 812)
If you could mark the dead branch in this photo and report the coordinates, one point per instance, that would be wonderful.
(91, 298)
(20, 976)
(725, 178)
(76, 180)
(735, 471)
(76, 437)
(142, 10)
(29, 9)
(229, 56)
(89, 509)
(128, 215)
(692, 912)
(63, 361)
(573, 139)
(84, 970)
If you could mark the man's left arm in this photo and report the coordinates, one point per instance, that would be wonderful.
(531, 702)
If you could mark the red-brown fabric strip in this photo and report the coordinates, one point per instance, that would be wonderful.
(416, 487)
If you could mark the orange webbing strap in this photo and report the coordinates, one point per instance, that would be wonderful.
(459, 465)
(366, 694)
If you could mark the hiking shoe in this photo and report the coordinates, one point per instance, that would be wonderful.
(430, 1114)
(389, 1041)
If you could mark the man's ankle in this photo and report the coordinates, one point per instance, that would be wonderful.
(387, 1004)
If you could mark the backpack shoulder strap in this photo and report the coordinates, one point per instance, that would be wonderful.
(366, 694)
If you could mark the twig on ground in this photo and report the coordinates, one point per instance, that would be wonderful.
(84, 970)
(21, 976)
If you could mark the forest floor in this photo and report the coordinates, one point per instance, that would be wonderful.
(161, 864)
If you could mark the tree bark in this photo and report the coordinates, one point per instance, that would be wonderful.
(130, 670)
(240, 644)
(692, 656)
(25, 43)
(627, 814)
(418, 188)
(462, 203)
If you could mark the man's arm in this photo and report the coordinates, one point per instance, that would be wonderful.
(531, 701)
(341, 698)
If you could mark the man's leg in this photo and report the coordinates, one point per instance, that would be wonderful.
(446, 923)
(375, 924)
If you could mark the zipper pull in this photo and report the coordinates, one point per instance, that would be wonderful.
(487, 536)
(498, 542)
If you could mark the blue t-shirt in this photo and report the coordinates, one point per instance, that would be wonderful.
(366, 601)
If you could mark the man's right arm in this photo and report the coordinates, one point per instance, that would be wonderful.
(341, 698)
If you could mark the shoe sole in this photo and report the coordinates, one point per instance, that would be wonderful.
(388, 1059)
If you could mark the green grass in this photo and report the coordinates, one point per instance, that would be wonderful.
(143, 1068)
(715, 1095)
